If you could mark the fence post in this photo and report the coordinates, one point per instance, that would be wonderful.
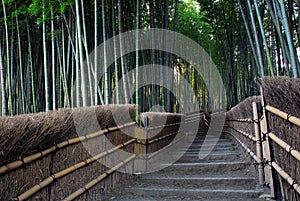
(266, 146)
(141, 149)
(261, 175)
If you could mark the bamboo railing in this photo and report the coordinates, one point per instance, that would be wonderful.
(16, 164)
(88, 186)
(262, 138)
(161, 143)
(69, 170)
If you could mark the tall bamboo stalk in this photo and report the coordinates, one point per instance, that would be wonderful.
(248, 33)
(22, 84)
(289, 39)
(104, 55)
(32, 80)
(3, 100)
(78, 74)
(137, 95)
(88, 62)
(8, 67)
(275, 20)
(115, 56)
(123, 63)
(258, 51)
(96, 53)
(53, 61)
(262, 31)
(46, 74)
(81, 64)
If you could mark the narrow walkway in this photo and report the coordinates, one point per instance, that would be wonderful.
(226, 174)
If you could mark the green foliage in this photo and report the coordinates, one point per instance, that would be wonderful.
(193, 23)
(59, 7)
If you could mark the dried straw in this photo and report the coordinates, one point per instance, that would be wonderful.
(69, 170)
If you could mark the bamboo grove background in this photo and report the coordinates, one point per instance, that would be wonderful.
(44, 42)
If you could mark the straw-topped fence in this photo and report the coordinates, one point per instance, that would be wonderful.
(268, 128)
(62, 169)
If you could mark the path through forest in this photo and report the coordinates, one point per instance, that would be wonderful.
(225, 174)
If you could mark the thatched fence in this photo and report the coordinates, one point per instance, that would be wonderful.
(43, 157)
(268, 127)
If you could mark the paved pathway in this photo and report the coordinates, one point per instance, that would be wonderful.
(226, 174)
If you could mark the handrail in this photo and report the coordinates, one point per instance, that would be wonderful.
(46, 182)
(295, 153)
(241, 120)
(151, 155)
(162, 138)
(16, 164)
(283, 115)
(286, 176)
(170, 125)
(263, 135)
(251, 137)
(98, 179)
(251, 153)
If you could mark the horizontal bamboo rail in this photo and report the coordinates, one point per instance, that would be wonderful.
(46, 182)
(162, 138)
(16, 164)
(251, 153)
(295, 153)
(174, 124)
(251, 137)
(152, 155)
(286, 176)
(88, 186)
(241, 120)
(283, 115)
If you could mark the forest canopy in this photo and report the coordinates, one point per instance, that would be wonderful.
(43, 44)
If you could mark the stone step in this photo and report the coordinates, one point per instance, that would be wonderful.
(208, 168)
(207, 140)
(179, 199)
(215, 148)
(224, 156)
(225, 174)
(207, 151)
(209, 144)
(191, 193)
(196, 182)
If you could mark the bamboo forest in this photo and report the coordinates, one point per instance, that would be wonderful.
(44, 43)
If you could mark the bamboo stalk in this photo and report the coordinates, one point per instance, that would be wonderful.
(69, 170)
(286, 176)
(16, 164)
(295, 153)
(259, 154)
(97, 180)
(283, 115)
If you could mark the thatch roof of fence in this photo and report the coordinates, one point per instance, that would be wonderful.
(159, 119)
(282, 93)
(23, 135)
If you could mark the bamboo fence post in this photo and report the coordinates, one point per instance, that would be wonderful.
(140, 149)
(266, 145)
(258, 145)
(147, 143)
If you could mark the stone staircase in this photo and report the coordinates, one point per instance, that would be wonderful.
(225, 174)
